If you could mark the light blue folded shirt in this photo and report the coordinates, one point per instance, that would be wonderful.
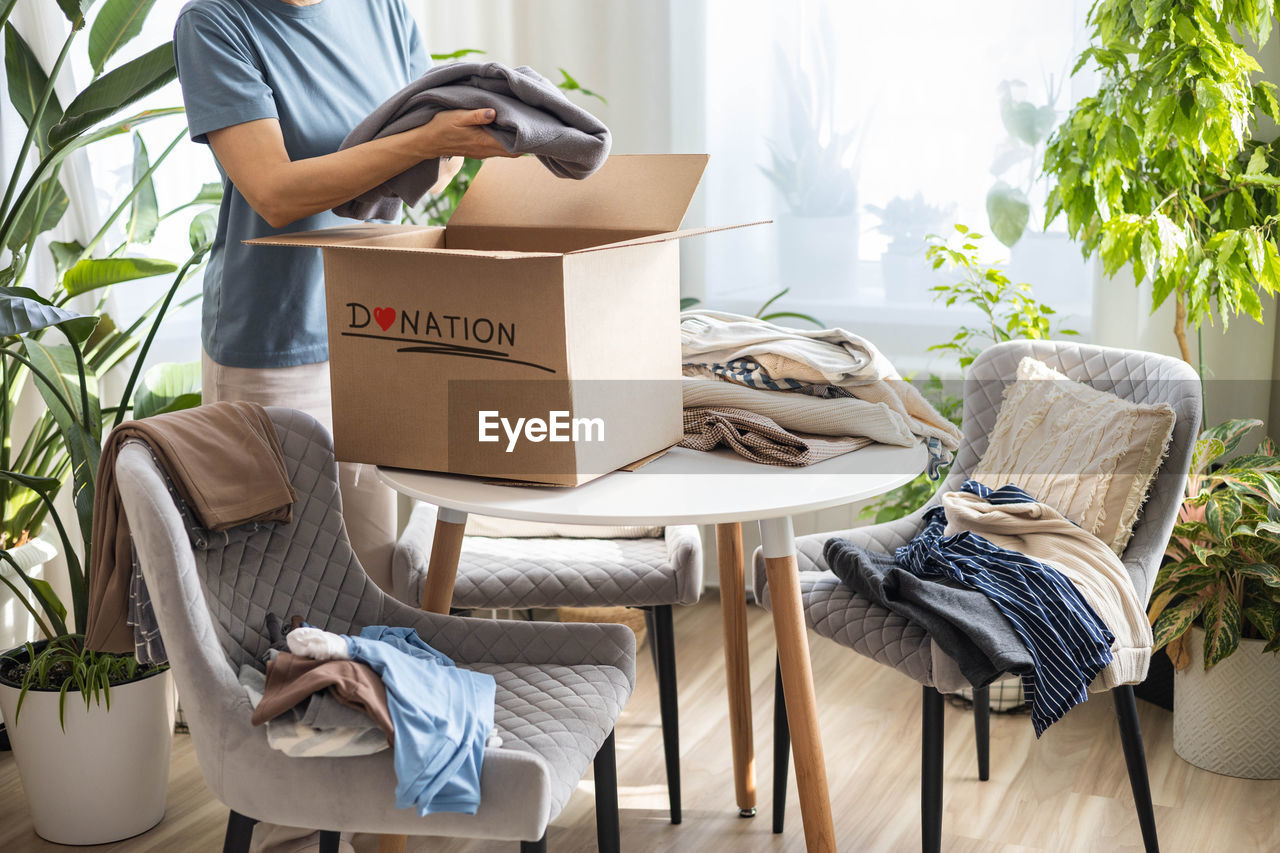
(443, 716)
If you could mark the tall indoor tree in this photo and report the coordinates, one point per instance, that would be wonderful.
(1160, 169)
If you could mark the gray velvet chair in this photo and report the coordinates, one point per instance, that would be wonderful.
(560, 688)
(650, 573)
(833, 611)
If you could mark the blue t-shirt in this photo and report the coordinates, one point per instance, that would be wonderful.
(319, 69)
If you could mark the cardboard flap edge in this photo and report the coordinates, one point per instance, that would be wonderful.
(667, 181)
(668, 235)
(340, 235)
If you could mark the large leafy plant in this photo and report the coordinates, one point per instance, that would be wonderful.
(1158, 170)
(61, 352)
(1221, 572)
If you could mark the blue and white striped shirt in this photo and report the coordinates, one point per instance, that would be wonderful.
(1069, 644)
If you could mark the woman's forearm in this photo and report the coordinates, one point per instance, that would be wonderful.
(282, 190)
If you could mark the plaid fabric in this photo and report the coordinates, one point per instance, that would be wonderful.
(760, 439)
(747, 371)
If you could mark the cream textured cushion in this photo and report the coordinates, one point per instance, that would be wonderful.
(1086, 453)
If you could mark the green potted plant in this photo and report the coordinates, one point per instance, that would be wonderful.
(1216, 607)
(1159, 170)
(816, 173)
(907, 273)
(93, 770)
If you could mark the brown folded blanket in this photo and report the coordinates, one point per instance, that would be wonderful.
(292, 679)
(225, 462)
(760, 439)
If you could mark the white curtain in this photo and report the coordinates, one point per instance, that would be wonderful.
(645, 57)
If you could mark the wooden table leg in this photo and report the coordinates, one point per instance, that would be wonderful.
(778, 541)
(437, 594)
(737, 666)
(392, 844)
(442, 570)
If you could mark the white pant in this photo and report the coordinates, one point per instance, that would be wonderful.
(368, 507)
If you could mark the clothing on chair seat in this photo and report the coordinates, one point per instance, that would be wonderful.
(1042, 533)
(532, 116)
(295, 736)
(1069, 644)
(292, 680)
(442, 714)
(963, 622)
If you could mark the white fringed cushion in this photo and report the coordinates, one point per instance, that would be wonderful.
(1087, 453)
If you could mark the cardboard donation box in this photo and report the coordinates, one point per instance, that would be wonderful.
(536, 338)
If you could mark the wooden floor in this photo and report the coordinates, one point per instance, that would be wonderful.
(1068, 792)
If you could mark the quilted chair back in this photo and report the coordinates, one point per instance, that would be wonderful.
(1140, 377)
(304, 568)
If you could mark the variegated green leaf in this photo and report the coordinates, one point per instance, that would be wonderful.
(1264, 615)
(1175, 620)
(1268, 574)
(1221, 620)
(1230, 433)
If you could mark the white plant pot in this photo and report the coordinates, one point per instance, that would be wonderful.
(818, 255)
(1225, 720)
(104, 778)
(16, 624)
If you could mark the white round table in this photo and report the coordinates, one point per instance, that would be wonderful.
(690, 487)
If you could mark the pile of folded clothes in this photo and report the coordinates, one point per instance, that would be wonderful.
(1005, 583)
(325, 694)
(794, 397)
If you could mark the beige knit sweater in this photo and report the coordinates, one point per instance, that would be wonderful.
(1040, 532)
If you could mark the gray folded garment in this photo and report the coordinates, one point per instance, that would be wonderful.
(532, 116)
(963, 622)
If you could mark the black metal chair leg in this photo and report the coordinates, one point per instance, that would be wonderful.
(239, 833)
(608, 832)
(329, 841)
(665, 643)
(781, 751)
(982, 730)
(1136, 760)
(539, 846)
(931, 773)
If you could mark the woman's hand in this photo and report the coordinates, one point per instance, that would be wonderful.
(283, 190)
(460, 133)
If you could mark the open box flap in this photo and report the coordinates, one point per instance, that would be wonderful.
(341, 235)
(379, 237)
(668, 235)
(631, 192)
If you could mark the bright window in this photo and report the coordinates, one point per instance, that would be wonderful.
(883, 122)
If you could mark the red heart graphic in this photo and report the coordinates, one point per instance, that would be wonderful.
(384, 317)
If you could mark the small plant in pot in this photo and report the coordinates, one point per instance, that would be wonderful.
(908, 222)
(815, 171)
(1215, 607)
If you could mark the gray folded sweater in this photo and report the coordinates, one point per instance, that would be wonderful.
(963, 622)
(532, 116)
